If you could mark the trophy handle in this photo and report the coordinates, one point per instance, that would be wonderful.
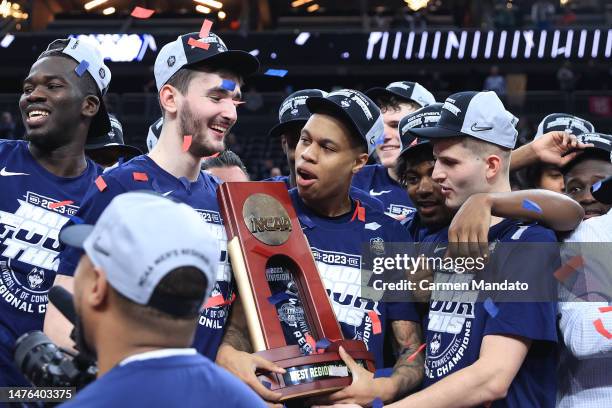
(246, 294)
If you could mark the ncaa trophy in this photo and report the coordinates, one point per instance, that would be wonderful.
(263, 231)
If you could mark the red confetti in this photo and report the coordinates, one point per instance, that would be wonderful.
(212, 156)
(416, 353)
(601, 329)
(376, 326)
(186, 142)
(218, 300)
(238, 103)
(100, 183)
(605, 309)
(206, 26)
(359, 213)
(195, 43)
(60, 204)
(140, 176)
(141, 12)
(569, 268)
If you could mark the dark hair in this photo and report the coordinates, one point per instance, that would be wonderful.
(87, 84)
(227, 158)
(186, 283)
(406, 161)
(356, 140)
(388, 102)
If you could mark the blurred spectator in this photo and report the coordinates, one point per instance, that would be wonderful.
(495, 82)
(253, 100)
(566, 77)
(542, 14)
(275, 172)
(569, 17)
(7, 126)
(411, 20)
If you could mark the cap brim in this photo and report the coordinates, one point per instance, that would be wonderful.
(237, 61)
(126, 151)
(603, 193)
(75, 235)
(280, 128)
(375, 93)
(436, 132)
(100, 124)
(415, 147)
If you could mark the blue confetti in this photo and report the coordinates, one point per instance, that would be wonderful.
(596, 186)
(377, 403)
(279, 297)
(76, 220)
(267, 384)
(120, 161)
(531, 206)
(276, 72)
(228, 85)
(490, 307)
(323, 344)
(383, 372)
(81, 68)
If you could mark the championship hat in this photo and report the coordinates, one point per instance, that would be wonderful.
(139, 239)
(293, 111)
(564, 122)
(480, 115)
(423, 118)
(356, 109)
(410, 91)
(112, 142)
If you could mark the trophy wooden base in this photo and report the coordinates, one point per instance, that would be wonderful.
(314, 374)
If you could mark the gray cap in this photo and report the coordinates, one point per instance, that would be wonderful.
(480, 115)
(564, 122)
(140, 238)
(410, 91)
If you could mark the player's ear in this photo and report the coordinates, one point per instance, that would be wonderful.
(98, 295)
(360, 161)
(90, 106)
(168, 98)
(494, 165)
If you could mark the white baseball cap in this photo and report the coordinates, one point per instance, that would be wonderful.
(139, 239)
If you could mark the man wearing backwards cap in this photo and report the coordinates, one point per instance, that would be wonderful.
(548, 175)
(198, 91)
(334, 144)
(292, 116)
(586, 170)
(61, 107)
(131, 290)
(108, 149)
(395, 101)
(472, 142)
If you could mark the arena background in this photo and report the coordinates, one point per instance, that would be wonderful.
(553, 55)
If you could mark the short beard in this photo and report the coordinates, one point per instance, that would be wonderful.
(190, 125)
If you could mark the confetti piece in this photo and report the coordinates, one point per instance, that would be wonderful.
(206, 26)
(238, 103)
(596, 186)
(212, 156)
(228, 85)
(361, 214)
(76, 220)
(383, 372)
(219, 300)
(276, 72)
(279, 297)
(601, 329)
(323, 344)
(60, 204)
(377, 403)
(338, 371)
(605, 309)
(141, 12)
(140, 176)
(81, 68)
(416, 353)
(267, 384)
(531, 206)
(490, 307)
(569, 268)
(199, 44)
(186, 142)
(376, 326)
(100, 183)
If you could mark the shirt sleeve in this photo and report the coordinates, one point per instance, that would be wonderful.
(402, 311)
(94, 202)
(586, 328)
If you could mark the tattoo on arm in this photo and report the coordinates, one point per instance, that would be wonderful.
(236, 334)
(409, 374)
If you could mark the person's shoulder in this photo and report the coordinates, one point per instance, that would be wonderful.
(236, 392)
(210, 179)
(366, 173)
(9, 146)
(517, 231)
(595, 229)
(377, 220)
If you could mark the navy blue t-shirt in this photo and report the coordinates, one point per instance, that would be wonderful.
(356, 193)
(456, 326)
(201, 195)
(30, 221)
(337, 245)
(173, 381)
(374, 179)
